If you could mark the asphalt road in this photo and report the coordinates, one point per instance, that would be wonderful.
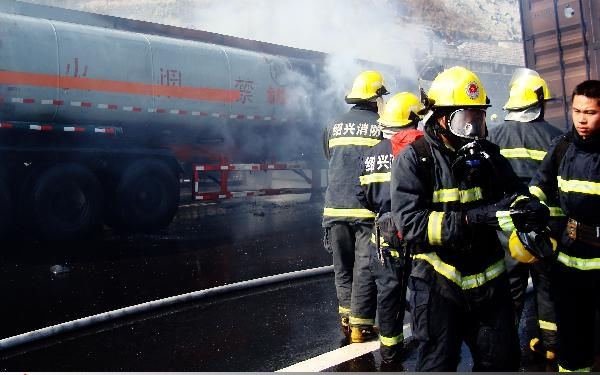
(262, 329)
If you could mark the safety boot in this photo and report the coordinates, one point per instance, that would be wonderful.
(362, 333)
(345, 327)
(536, 346)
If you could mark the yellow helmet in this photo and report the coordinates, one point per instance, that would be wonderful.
(531, 247)
(457, 87)
(367, 85)
(527, 88)
(401, 110)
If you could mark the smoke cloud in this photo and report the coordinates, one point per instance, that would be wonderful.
(356, 34)
(348, 30)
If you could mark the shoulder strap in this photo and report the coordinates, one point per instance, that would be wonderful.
(559, 151)
(425, 169)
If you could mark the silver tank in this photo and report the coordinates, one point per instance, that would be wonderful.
(59, 72)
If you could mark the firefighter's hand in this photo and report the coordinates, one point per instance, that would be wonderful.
(486, 214)
(388, 230)
(529, 215)
(479, 215)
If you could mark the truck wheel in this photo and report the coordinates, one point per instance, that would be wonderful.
(147, 196)
(65, 202)
(6, 209)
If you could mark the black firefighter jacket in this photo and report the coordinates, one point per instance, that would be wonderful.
(373, 186)
(345, 142)
(524, 144)
(431, 217)
(572, 191)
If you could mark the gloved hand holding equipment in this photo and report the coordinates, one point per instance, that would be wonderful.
(487, 214)
(529, 215)
(532, 246)
(388, 230)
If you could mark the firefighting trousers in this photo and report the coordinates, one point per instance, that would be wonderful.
(390, 308)
(444, 316)
(354, 282)
(576, 296)
(518, 275)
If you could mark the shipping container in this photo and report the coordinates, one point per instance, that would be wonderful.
(561, 40)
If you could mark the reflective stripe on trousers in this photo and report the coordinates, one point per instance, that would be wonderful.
(585, 369)
(354, 321)
(390, 341)
(454, 275)
(344, 310)
(547, 325)
(348, 212)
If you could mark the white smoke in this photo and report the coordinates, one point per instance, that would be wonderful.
(348, 30)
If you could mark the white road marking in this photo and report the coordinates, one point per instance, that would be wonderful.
(341, 355)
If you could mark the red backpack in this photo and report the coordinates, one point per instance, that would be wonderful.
(403, 138)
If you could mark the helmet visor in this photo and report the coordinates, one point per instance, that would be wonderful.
(468, 123)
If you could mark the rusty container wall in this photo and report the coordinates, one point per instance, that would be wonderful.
(561, 43)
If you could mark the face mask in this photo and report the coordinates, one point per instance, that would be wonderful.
(467, 123)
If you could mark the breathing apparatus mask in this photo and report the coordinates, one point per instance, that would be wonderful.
(465, 130)
(463, 126)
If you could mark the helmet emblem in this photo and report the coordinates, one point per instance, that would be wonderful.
(472, 90)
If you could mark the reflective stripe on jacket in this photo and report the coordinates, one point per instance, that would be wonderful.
(344, 143)
(524, 144)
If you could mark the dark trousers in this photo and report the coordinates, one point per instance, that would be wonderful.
(444, 316)
(355, 285)
(577, 302)
(390, 309)
(518, 275)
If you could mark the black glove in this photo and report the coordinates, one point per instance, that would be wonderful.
(388, 230)
(487, 214)
(529, 215)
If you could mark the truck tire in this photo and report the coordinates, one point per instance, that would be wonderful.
(65, 202)
(147, 196)
(6, 209)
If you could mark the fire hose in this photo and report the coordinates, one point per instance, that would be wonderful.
(73, 325)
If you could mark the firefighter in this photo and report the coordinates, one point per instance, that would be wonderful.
(524, 138)
(569, 179)
(347, 224)
(451, 190)
(399, 121)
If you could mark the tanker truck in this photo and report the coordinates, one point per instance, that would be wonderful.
(101, 117)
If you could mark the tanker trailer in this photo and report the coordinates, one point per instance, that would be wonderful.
(100, 119)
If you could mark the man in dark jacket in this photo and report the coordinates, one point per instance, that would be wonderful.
(451, 191)
(347, 224)
(399, 121)
(569, 177)
(524, 139)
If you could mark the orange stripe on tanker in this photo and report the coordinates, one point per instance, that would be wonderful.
(79, 83)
